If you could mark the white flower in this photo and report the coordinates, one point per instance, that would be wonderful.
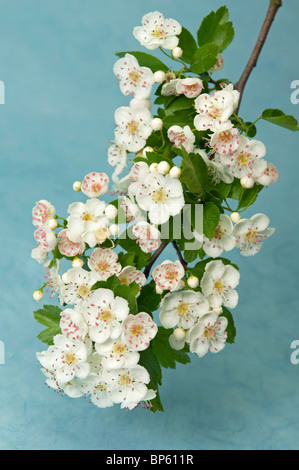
(182, 309)
(208, 335)
(95, 184)
(138, 331)
(169, 88)
(133, 127)
(226, 141)
(222, 240)
(120, 184)
(72, 324)
(98, 389)
(217, 170)
(117, 157)
(131, 209)
(42, 213)
(247, 161)
(115, 354)
(54, 281)
(66, 359)
(250, 233)
(190, 87)
(168, 275)
(130, 274)
(127, 386)
(104, 262)
(45, 238)
(162, 196)
(134, 79)
(103, 314)
(137, 175)
(181, 137)
(214, 110)
(218, 284)
(67, 247)
(269, 176)
(77, 285)
(41, 256)
(148, 236)
(156, 31)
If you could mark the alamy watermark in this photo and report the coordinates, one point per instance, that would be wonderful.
(295, 354)
(295, 94)
(2, 92)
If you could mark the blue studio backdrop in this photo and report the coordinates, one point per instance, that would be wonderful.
(56, 59)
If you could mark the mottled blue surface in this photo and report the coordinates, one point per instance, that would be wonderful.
(56, 61)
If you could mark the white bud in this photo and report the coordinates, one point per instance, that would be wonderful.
(38, 295)
(114, 229)
(218, 310)
(140, 103)
(179, 334)
(77, 186)
(181, 284)
(175, 172)
(193, 282)
(177, 52)
(163, 168)
(157, 124)
(247, 182)
(146, 149)
(235, 217)
(110, 211)
(153, 167)
(64, 277)
(77, 262)
(52, 224)
(159, 76)
(159, 290)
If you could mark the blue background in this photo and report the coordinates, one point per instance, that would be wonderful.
(56, 59)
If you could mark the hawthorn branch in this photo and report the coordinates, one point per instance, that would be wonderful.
(153, 258)
(272, 10)
(183, 262)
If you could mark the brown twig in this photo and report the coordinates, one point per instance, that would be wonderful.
(272, 10)
(153, 258)
(183, 262)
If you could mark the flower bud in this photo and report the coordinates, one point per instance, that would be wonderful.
(38, 295)
(110, 211)
(145, 150)
(159, 76)
(159, 290)
(247, 182)
(235, 217)
(114, 229)
(193, 282)
(140, 103)
(157, 124)
(77, 262)
(177, 52)
(163, 168)
(175, 172)
(77, 186)
(153, 167)
(179, 334)
(218, 310)
(52, 224)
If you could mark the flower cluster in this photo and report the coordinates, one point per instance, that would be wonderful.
(192, 150)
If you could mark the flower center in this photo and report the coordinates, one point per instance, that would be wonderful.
(124, 280)
(103, 266)
(70, 359)
(183, 309)
(159, 196)
(225, 136)
(251, 236)
(243, 158)
(214, 112)
(119, 348)
(87, 216)
(158, 33)
(101, 388)
(83, 291)
(96, 187)
(136, 329)
(106, 316)
(209, 332)
(219, 286)
(134, 76)
(218, 234)
(171, 274)
(125, 379)
(133, 127)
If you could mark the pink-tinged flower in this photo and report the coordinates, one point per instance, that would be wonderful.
(208, 335)
(148, 236)
(214, 110)
(134, 79)
(222, 240)
(250, 233)
(157, 31)
(219, 64)
(218, 284)
(115, 354)
(42, 212)
(138, 331)
(190, 87)
(168, 275)
(130, 274)
(77, 285)
(45, 238)
(95, 184)
(169, 88)
(269, 176)
(72, 324)
(181, 137)
(133, 127)
(104, 262)
(68, 247)
(226, 141)
(117, 157)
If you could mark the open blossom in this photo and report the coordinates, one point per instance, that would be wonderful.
(95, 184)
(104, 314)
(77, 285)
(218, 284)
(115, 354)
(137, 175)
(138, 331)
(190, 87)
(54, 281)
(98, 390)
(67, 359)
(247, 160)
(170, 88)
(269, 176)
(208, 335)
(181, 137)
(72, 324)
(104, 262)
(168, 275)
(67, 247)
(250, 233)
(226, 141)
(130, 274)
(222, 240)
(148, 236)
(45, 238)
(117, 157)
(161, 196)
(216, 169)
(214, 110)
(182, 309)
(42, 212)
(157, 31)
(133, 127)
(134, 79)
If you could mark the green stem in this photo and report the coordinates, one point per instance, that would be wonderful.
(173, 58)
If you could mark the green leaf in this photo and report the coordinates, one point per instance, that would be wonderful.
(111, 283)
(188, 44)
(278, 117)
(151, 364)
(126, 259)
(128, 293)
(211, 217)
(216, 29)
(181, 117)
(195, 172)
(148, 301)
(146, 60)
(204, 58)
(231, 329)
(48, 316)
(166, 355)
(178, 103)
